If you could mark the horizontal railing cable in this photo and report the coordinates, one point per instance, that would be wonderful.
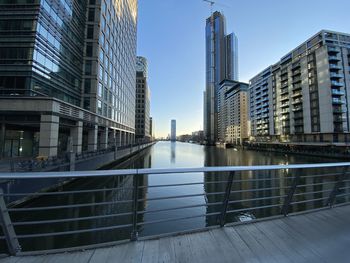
(132, 204)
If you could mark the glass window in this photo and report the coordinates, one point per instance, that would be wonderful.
(99, 89)
(99, 107)
(101, 72)
(90, 32)
(91, 14)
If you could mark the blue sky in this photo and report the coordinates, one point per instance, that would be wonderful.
(171, 37)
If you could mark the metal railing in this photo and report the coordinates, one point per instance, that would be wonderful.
(62, 161)
(105, 207)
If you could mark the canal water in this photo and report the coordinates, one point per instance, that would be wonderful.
(202, 194)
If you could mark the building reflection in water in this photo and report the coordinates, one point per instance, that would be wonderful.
(114, 189)
(253, 189)
(173, 152)
(249, 190)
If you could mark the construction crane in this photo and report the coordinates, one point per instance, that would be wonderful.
(213, 3)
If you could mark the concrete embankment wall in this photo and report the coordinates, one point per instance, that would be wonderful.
(329, 151)
(92, 163)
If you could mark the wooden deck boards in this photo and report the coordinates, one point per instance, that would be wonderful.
(322, 236)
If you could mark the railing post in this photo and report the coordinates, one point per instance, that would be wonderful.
(226, 199)
(7, 227)
(134, 233)
(335, 191)
(115, 148)
(288, 199)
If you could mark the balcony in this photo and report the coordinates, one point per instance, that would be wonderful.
(338, 118)
(337, 83)
(297, 94)
(284, 105)
(283, 98)
(284, 84)
(284, 78)
(333, 49)
(297, 101)
(338, 92)
(284, 91)
(296, 65)
(296, 73)
(333, 58)
(334, 67)
(338, 110)
(337, 101)
(297, 87)
(296, 80)
(336, 75)
(298, 108)
(285, 111)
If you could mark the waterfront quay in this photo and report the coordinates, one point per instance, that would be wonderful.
(324, 149)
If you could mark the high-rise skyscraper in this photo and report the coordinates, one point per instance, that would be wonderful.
(221, 63)
(142, 113)
(67, 70)
(173, 131)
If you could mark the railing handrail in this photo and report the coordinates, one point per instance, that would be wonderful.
(120, 172)
(236, 199)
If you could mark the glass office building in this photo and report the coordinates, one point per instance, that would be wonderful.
(143, 101)
(67, 67)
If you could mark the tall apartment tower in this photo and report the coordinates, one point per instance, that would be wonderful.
(142, 113)
(67, 70)
(173, 131)
(233, 119)
(305, 96)
(221, 63)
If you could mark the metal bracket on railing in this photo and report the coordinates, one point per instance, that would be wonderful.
(7, 227)
(288, 199)
(226, 199)
(134, 233)
(337, 185)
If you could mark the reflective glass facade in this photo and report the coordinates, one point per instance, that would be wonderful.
(142, 115)
(110, 60)
(221, 63)
(42, 48)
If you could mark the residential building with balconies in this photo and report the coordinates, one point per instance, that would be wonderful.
(309, 93)
(233, 118)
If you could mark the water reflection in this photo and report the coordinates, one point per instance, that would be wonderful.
(173, 149)
(249, 191)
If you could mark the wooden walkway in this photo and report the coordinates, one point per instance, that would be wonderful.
(322, 236)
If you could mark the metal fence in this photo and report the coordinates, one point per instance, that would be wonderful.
(104, 207)
(61, 162)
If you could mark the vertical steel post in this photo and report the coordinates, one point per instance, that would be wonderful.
(288, 199)
(134, 233)
(7, 227)
(337, 185)
(2, 140)
(226, 199)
